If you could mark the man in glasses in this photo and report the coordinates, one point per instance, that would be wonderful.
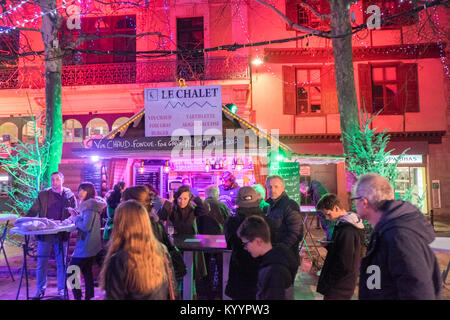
(278, 265)
(399, 263)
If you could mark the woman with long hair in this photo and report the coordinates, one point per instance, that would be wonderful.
(142, 194)
(136, 265)
(89, 242)
(182, 215)
(113, 198)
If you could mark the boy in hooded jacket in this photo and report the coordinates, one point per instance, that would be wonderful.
(339, 274)
(278, 265)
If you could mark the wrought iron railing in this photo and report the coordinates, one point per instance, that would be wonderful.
(220, 68)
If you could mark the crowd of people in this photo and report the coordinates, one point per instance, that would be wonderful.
(139, 260)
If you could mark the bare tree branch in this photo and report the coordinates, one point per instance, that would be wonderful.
(321, 16)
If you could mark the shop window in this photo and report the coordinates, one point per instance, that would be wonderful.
(73, 131)
(9, 132)
(389, 88)
(413, 180)
(100, 27)
(309, 90)
(96, 128)
(302, 16)
(391, 8)
(119, 122)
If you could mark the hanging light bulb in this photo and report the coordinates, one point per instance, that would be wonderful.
(141, 169)
(167, 167)
(239, 165)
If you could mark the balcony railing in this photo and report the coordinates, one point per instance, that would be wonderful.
(220, 68)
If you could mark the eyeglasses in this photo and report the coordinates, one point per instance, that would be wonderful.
(355, 198)
(244, 244)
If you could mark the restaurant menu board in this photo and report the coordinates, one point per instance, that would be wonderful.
(183, 111)
(151, 175)
(93, 174)
(290, 172)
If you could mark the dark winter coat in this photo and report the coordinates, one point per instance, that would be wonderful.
(40, 207)
(184, 223)
(286, 222)
(243, 269)
(277, 270)
(115, 275)
(399, 250)
(183, 220)
(341, 267)
(217, 210)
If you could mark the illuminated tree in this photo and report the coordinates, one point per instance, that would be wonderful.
(367, 151)
(26, 163)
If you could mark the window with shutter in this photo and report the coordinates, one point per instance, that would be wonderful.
(101, 26)
(300, 15)
(408, 87)
(330, 104)
(365, 87)
(308, 91)
(289, 101)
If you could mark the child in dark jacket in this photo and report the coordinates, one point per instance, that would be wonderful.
(339, 274)
(278, 265)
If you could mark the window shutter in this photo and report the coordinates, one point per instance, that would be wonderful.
(289, 99)
(330, 103)
(408, 87)
(365, 87)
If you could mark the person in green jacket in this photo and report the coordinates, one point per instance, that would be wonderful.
(112, 199)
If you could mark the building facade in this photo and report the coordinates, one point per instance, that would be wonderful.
(400, 70)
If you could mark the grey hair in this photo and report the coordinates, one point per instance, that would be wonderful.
(275, 177)
(260, 189)
(374, 188)
(212, 192)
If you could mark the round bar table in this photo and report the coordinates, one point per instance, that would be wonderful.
(27, 234)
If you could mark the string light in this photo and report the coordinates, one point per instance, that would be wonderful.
(37, 16)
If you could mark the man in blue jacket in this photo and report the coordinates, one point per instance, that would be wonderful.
(399, 263)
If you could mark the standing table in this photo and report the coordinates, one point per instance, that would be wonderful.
(442, 244)
(27, 234)
(6, 217)
(203, 243)
(309, 210)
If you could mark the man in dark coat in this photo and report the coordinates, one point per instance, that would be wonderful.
(278, 265)
(243, 270)
(399, 263)
(52, 203)
(284, 218)
(340, 270)
(216, 209)
(283, 215)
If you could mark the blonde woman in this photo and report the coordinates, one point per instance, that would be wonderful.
(137, 266)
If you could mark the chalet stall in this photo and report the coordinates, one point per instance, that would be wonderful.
(131, 153)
